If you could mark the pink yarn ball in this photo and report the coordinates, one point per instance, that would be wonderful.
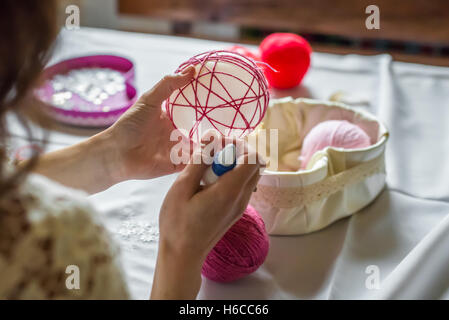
(241, 251)
(333, 133)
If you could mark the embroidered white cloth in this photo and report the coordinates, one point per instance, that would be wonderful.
(394, 248)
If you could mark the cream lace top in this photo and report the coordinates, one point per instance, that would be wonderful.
(52, 246)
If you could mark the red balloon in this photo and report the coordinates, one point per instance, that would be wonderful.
(245, 52)
(289, 54)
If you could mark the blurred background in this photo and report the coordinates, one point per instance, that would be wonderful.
(410, 30)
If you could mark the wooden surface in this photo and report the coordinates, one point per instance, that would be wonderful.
(424, 21)
(398, 56)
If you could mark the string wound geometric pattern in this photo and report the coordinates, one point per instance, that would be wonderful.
(228, 93)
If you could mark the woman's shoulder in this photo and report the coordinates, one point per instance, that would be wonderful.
(56, 199)
(53, 245)
(51, 206)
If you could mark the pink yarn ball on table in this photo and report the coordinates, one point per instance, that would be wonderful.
(241, 251)
(333, 133)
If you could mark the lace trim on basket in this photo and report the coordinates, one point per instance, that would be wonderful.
(291, 197)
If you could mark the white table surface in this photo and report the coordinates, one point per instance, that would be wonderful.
(404, 233)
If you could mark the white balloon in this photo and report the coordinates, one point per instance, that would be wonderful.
(225, 95)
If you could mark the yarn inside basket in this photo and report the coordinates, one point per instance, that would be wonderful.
(241, 251)
(333, 133)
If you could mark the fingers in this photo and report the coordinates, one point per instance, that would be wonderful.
(233, 190)
(234, 187)
(165, 87)
(233, 183)
(188, 181)
(210, 144)
(247, 167)
(248, 191)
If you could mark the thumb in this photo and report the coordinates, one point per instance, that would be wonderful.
(165, 87)
(188, 181)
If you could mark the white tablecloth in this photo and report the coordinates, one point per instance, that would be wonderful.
(403, 237)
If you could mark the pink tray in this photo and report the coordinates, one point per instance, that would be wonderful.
(98, 115)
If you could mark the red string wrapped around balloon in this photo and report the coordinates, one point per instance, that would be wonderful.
(229, 93)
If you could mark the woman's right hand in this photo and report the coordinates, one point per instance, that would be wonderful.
(193, 219)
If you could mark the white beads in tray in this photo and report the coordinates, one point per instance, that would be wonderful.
(94, 85)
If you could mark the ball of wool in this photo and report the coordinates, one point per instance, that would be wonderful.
(241, 251)
(287, 53)
(333, 133)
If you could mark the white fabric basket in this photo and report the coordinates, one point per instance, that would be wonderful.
(336, 183)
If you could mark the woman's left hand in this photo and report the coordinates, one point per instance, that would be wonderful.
(142, 135)
(137, 146)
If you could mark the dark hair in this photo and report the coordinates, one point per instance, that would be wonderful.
(28, 29)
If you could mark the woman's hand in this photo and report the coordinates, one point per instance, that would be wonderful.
(193, 219)
(137, 146)
(142, 135)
